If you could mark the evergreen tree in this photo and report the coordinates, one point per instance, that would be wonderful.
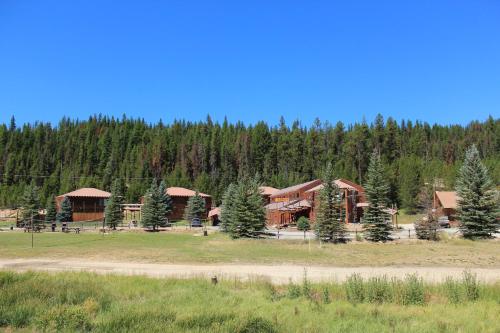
(426, 228)
(66, 212)
(166, 204)
(113, 211)
(477, 199)
(376, 219)
(30, 205)
(151, 212)
(330, 225)
(304, 225)
(195, 207)
(50, 211)
(247, 210)
(227, 208)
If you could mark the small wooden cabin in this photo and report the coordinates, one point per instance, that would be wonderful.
(87, 203)
(445, 203)
(180, 197)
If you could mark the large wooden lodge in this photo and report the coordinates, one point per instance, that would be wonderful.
(290, 203)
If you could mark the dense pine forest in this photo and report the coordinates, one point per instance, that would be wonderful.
(208, 156)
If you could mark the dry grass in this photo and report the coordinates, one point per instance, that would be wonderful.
(171, 247)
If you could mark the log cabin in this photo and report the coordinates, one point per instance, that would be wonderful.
(180, 197)
(87, 203)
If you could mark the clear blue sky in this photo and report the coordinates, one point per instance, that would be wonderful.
(437, 61)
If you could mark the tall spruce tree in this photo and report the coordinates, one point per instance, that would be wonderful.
(30, 205)
(376, 219)
(195, 207)
(477, 199)
(50, 211)
(226, 214)
(330, 225)
(113, 211)
(151, 217)
(166, 204)
(247, 210)
(65, 214)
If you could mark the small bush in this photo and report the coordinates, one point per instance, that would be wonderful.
(471, 286)
(306, 286)
(293, 291)
(326, 295)
(413, 290)
(256, 325)
(65, 318)
(355, 290)
(453, 291)
(378, 290)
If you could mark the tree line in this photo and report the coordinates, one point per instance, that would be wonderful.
(208, 156)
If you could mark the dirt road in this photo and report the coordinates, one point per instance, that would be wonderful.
(276, 273)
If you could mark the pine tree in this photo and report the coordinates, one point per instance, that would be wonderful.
(330, 225)
(66, 212)
(30, 205)
(50, 211)
(477, 199)
(166, 204)
(247, 210)
(376, 219)
(195, 207)
(426, 228)
(151, 215)
(227, 208)
(113, 211)
(304, 225)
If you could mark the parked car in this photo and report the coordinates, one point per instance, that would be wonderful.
(196, 223)
(444, 222)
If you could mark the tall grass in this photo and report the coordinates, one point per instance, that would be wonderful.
(82, 302)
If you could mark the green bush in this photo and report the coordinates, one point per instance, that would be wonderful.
(378, 290)
(453, 291)
(354, 288)
(413, 290)
(256, 325)
(293, 291)
(471, 286)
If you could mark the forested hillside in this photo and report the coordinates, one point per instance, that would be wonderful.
(208, 155)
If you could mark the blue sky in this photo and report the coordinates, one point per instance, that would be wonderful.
(437, 61)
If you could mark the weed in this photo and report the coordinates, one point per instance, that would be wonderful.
(355, 290)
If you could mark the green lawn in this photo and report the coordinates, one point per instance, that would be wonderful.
(69, 302)
(178, 247)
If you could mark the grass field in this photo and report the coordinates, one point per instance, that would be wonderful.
(68, 302)
(168, 247)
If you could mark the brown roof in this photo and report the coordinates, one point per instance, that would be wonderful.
(87, 192)
(214, 212)
(448, 199)
(184, 192)
(341, 183)
(268, 190)
(298, 187)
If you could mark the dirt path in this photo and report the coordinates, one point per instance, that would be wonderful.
(276, 273)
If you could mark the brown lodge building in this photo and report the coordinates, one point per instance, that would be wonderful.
(180, 197)
(87, 203)
(290, 203)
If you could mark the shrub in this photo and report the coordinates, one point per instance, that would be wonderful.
(453, 291)
(355, 290)
(471, 286)
(413, 290)
(256, 325)
(326, 295)
(293, 291)
(378, 290)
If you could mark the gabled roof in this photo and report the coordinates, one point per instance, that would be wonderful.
(214, 212)
(448, 199)
(184, 192)
(297, 187)
(342, 184)
(87, 192)
(268, 190)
